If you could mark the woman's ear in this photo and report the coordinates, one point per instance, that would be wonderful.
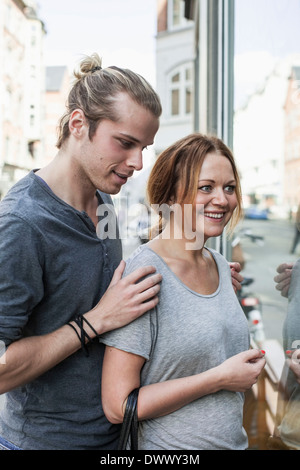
(77, 123)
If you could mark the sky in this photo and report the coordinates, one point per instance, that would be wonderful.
(266, 31)
(272, 25)
(123, 33)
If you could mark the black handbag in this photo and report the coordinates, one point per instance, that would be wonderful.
(130, 423)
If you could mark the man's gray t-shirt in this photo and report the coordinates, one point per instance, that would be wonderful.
(53, 268)
(186, 334)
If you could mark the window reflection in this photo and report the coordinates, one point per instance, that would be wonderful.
(267, 147)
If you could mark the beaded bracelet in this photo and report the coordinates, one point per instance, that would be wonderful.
(83, 334)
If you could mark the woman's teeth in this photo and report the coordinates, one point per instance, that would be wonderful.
(214, 216)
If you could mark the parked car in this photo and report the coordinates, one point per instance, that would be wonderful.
(256, 212)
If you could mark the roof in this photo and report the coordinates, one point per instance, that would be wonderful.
(54, 77)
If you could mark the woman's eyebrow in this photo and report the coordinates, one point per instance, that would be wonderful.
(208, 180)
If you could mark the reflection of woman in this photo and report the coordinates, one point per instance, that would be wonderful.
(288, 413)
(190, 354)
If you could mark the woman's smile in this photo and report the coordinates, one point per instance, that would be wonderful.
(214, 215)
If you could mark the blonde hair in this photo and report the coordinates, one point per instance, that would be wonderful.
(181, 163)
(95, 91)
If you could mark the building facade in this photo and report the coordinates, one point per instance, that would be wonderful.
(292, 142)
(22, 82)
(259, 141)
(57, 88)
(175, 57)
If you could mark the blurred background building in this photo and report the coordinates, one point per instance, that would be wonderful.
(22, 89)
(31, 95)
(291, 182)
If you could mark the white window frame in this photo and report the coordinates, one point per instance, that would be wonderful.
(182, 86)
(182, 20)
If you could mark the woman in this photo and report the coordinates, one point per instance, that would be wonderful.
(190, 355)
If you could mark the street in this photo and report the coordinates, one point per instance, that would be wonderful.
(261, 264)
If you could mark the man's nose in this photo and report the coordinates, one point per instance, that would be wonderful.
(135, 160)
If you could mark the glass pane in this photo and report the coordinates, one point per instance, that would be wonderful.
(176, 12)
(188, 74)
(176, 77)
(188, 101)
(175, 102)
(267, 150)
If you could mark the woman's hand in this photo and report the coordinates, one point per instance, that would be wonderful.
(240, 372)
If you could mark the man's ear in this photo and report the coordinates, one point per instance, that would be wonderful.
(77, 123)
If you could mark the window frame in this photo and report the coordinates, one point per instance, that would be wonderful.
(183, 85)
(182, 21)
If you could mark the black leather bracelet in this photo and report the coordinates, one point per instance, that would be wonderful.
(72, 326)
(83, 337)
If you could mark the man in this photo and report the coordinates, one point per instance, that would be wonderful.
(61, 285)
(286, 433)
(57, 268)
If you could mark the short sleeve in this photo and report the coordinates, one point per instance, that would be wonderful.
(21, 277)
(139, 336)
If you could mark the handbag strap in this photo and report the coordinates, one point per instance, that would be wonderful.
(130, 422)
